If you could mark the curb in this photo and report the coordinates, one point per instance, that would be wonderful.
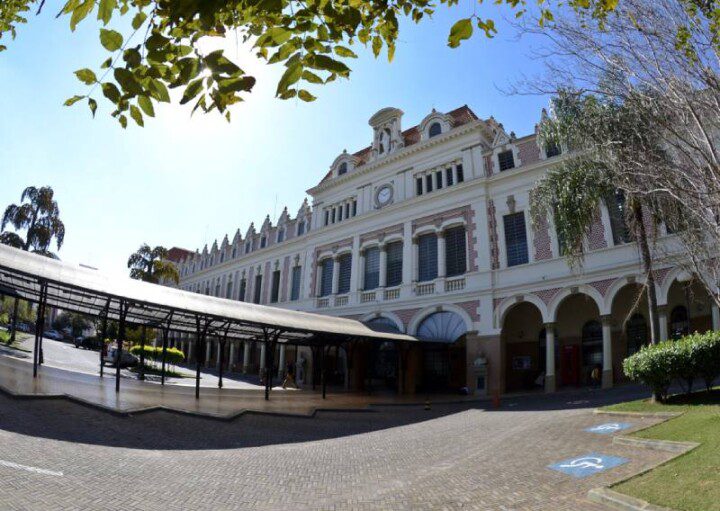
(657, 445)
(615, 500)
(659, 415)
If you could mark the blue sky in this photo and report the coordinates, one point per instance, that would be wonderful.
(187, 181)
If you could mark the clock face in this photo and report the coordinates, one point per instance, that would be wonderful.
(384, 195)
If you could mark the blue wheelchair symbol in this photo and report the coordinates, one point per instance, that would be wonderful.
(609, 428)
(587, 465)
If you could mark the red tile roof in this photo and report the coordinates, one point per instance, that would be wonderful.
(177, 254)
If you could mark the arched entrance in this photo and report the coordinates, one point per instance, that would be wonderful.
(630, 326)
(524, 347)
(444, 365)
(688, 309)
(383, 358)
(580, 340)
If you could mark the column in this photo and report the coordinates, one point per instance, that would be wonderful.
(246, 356)
(189, 353)
(281, 362)
(361, 270)
(607, 374)
(208, 351)
(218, 347)
(355, 267)
(231, 362)
(715, 316)
(441, 254)
(415, 259)
(336, 275)
(383, 265)
(663, 323)
(550, 383)
(262, 356)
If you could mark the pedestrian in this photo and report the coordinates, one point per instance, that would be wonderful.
(289, 380)
(595, 376)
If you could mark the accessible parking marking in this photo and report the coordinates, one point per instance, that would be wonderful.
(17, 466)
(609, 428)
(587, 465)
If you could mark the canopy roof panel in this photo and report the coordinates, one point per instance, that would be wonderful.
(78, 289)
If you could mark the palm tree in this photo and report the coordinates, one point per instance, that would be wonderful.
(39, 216)
(151, 265)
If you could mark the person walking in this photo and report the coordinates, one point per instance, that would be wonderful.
(289, 380)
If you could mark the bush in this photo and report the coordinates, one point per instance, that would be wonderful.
(174, 356)
(693, 357)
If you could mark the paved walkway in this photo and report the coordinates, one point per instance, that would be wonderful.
(59, 455)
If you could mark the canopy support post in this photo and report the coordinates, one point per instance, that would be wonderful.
(39, 326)
(103, 335)
(166, 334)
(323, 376)
(124, 307)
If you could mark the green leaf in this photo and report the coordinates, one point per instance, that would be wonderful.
(123, 121)
(138, 20)
(461, 30)
(71, 101)
(244, 83)
(80, 13)
(136, 115)
(311, 77)
(111, 92)
(146, 105)
(306, 96)
(273, 37)
(110, 39)
(127, 81)
(93, 106)
(192, 90)
(291, 75)
(159, 91)
(326, 63)
(345, 52)
(105, 10)
(86, 76)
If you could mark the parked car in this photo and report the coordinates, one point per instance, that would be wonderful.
(88, 343)
(127, 359)
(53, 334)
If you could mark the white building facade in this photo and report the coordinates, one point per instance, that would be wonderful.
(427, 231)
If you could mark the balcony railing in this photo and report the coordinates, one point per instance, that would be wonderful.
(392, 294)
(367, 296)
(455, 284)
(425, 289)
(323, 303)
(341, 300)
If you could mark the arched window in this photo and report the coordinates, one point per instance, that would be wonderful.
(637, 333)
(435, 130)
(592, 350)
(343, 168)
(679, 323)
(382, 324)
(442, 327)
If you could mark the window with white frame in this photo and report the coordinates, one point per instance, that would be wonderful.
(394, 263)
(516, 239)
(275, 289)
(506, 160)
(228, 291)
(455, 251)
(345, 264)
(372, 268)
(295, 284)
(263, 241)
(243, 288)
(258, 289)
(301, 227)
(281, 235)
(427, 257)
(326, 276)
(435, 130)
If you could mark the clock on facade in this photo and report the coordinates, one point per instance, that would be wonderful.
(383, 195)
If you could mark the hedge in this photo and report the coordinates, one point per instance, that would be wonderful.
(686, 360)
(174, 356)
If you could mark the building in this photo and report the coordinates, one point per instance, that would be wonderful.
(427, 231)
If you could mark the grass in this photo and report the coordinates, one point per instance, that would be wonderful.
(692, 481)
(19, 337)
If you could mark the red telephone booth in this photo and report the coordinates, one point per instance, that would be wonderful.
(570, 365)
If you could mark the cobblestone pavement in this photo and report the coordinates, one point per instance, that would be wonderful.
(451, 457)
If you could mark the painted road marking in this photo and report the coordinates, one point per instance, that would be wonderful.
(17, 466)
(609, 428)
(587, 465)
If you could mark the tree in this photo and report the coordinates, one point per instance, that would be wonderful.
(163, 47)
(76, 323)
(39, 216)
(151, 265)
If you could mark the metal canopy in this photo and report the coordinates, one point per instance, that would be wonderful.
(77, 289)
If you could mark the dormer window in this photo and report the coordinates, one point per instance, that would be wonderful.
(281, 235)
(222, 256)
(552, 150)
(435, 130)
(343, 168)
(248, 247)
(301, 228)
(263, 242)
(506, 160)
(234, 252)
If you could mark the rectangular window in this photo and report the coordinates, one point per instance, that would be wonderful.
(460, 173)
(281, 236)
(345, 262)
(295, 290)
(326, 276)
(263, 242)
(228, 292)
(552, 150)
(515, 239)
(354, 207)
(347, 210)
(301, 227)
(428, 183)
(449, 176)
(418, 186)
(438, 180)
(258, 288)
(455, 256)
(243, 287)
(394, 263)
(506, 160)
(327, 217)
(372, 268)
(275, 290)
(427, 257)
(340, 213)
(616, 210)
(332, 216)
